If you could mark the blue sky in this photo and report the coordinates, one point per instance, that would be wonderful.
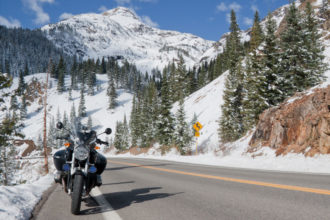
(205, 18)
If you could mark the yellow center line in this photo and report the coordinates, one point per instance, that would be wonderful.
(251, 182)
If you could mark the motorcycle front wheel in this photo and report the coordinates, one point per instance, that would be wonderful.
(76, 194)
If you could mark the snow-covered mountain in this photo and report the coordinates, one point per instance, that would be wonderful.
(121, 33)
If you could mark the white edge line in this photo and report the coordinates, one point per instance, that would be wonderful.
(108, 211)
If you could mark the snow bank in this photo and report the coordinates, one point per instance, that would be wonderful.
(17, 202)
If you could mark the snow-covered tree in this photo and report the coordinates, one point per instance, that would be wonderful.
(271, 61)
(82, 107)
(72, 114)
(51, 137)
(61, 69)
(23, 110)
(182, 134)
(314, 64)
(13, 103)
(165, 124)
(121, 141)
(21, 84)
(293, 56)
(112, 94)
(231, 121)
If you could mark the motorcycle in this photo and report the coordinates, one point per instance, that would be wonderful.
(79, 166)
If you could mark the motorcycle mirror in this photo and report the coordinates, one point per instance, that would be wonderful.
(108, 131)
(59, 125)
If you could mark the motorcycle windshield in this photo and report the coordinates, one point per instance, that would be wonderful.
(79, 136)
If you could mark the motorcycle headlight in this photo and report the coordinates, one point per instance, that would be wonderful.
(81, 153)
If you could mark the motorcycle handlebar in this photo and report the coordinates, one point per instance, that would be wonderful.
(101, 142)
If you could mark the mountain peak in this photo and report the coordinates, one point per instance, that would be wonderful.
(121, 11)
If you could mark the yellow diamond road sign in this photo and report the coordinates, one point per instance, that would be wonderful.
(197, 126)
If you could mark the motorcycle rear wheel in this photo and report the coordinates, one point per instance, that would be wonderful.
(76, 194)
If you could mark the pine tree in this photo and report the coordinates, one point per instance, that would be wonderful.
(314, 65)
(72, 115)
(23, 110)
(103, 66)
(82, 107)
(182, 132)
(7, 67)
(255, 86)
(293, 57)
(26, 70)
(70, 95)
(126, 135)
(51, 137)
(13, 103)
(74, 72)
(254, 102)
(256, 33)
(61, 67)
(231, 121)
(233, 44)
(121, 136)
(91, 82)
(133, 124)
(165, 119)
(118, 136)
(65, 121)
(21, 84)
(112, 94)
(8, 130)
(151, 113)
(178, 83)
(271, 61)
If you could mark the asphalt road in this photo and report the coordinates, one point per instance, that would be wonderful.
(151, 190)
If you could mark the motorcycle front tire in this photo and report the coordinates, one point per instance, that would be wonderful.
(76, 194)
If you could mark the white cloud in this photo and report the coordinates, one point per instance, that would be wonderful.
(248, 21)
(254, 8)
(65, 16)
(35, 6)
(10, 24)
(234, 6)
(222, 7)
(122, 2)
(147, 20)
(103, 9)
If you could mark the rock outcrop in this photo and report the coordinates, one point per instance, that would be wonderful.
(299, 125)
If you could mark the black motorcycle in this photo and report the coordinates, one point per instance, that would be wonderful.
(79, 167)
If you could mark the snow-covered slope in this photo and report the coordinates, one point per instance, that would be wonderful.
(205, 103)
(96, 106)
(121, 33)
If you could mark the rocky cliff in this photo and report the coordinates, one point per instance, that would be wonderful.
(299, 125)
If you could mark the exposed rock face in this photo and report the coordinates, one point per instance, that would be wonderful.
(30, 146)
(298, 126)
